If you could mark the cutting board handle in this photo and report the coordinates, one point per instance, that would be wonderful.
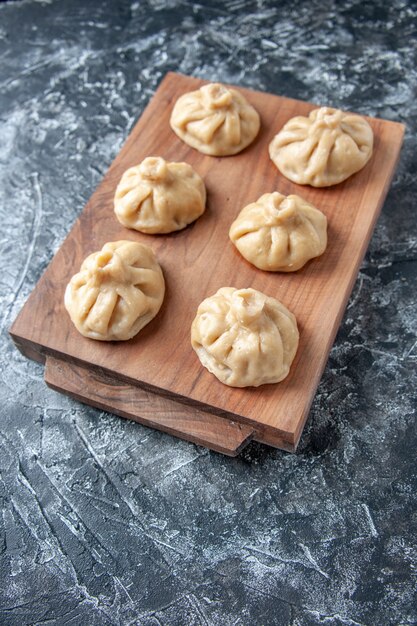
(109, 394)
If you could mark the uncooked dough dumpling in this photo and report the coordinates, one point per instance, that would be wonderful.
(215, 120)
(322, 149)
(244, 337)
(279, 233)
(117, 291)
(159, 197)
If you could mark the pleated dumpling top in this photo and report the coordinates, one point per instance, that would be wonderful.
(215, 120)
(117, 291)
(158, 196)
(279, 233)
(322, 149)
(244, 337)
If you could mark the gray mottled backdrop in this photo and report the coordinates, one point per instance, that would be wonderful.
(106, 522)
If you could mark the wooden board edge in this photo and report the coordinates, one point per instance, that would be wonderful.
(273, 440)
(266, 435)
(245, 433)
(28, 348)
(40, 354)
(62, 377)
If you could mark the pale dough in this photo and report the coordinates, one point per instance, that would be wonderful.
(322, 149)
(279, 233)
(215, 120)
(244, 337)
(117, 291)
(159, 197)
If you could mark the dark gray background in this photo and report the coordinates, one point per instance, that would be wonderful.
(106, 522)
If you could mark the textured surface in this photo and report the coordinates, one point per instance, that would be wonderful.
(198, 261)
(107, 522)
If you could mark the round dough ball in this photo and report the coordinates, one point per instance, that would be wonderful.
(117, 291)
(322, 149)
(159, 197)
(215, 120)
(279, 233)
(244, 337)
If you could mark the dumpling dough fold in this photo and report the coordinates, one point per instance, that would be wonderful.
(322, 149)
(244, 337)
(278, 233)
(157, 197)
(117, 291)
(215, 120)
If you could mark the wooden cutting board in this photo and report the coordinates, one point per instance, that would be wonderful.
(156, 378)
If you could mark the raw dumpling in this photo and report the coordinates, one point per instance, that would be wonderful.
(244, 337)
(322, 149)
(117, 291)
(159, 197)
(279, 233)
(215, 120)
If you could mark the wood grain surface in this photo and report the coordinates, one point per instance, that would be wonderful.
(200, 259)
(101, 391)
